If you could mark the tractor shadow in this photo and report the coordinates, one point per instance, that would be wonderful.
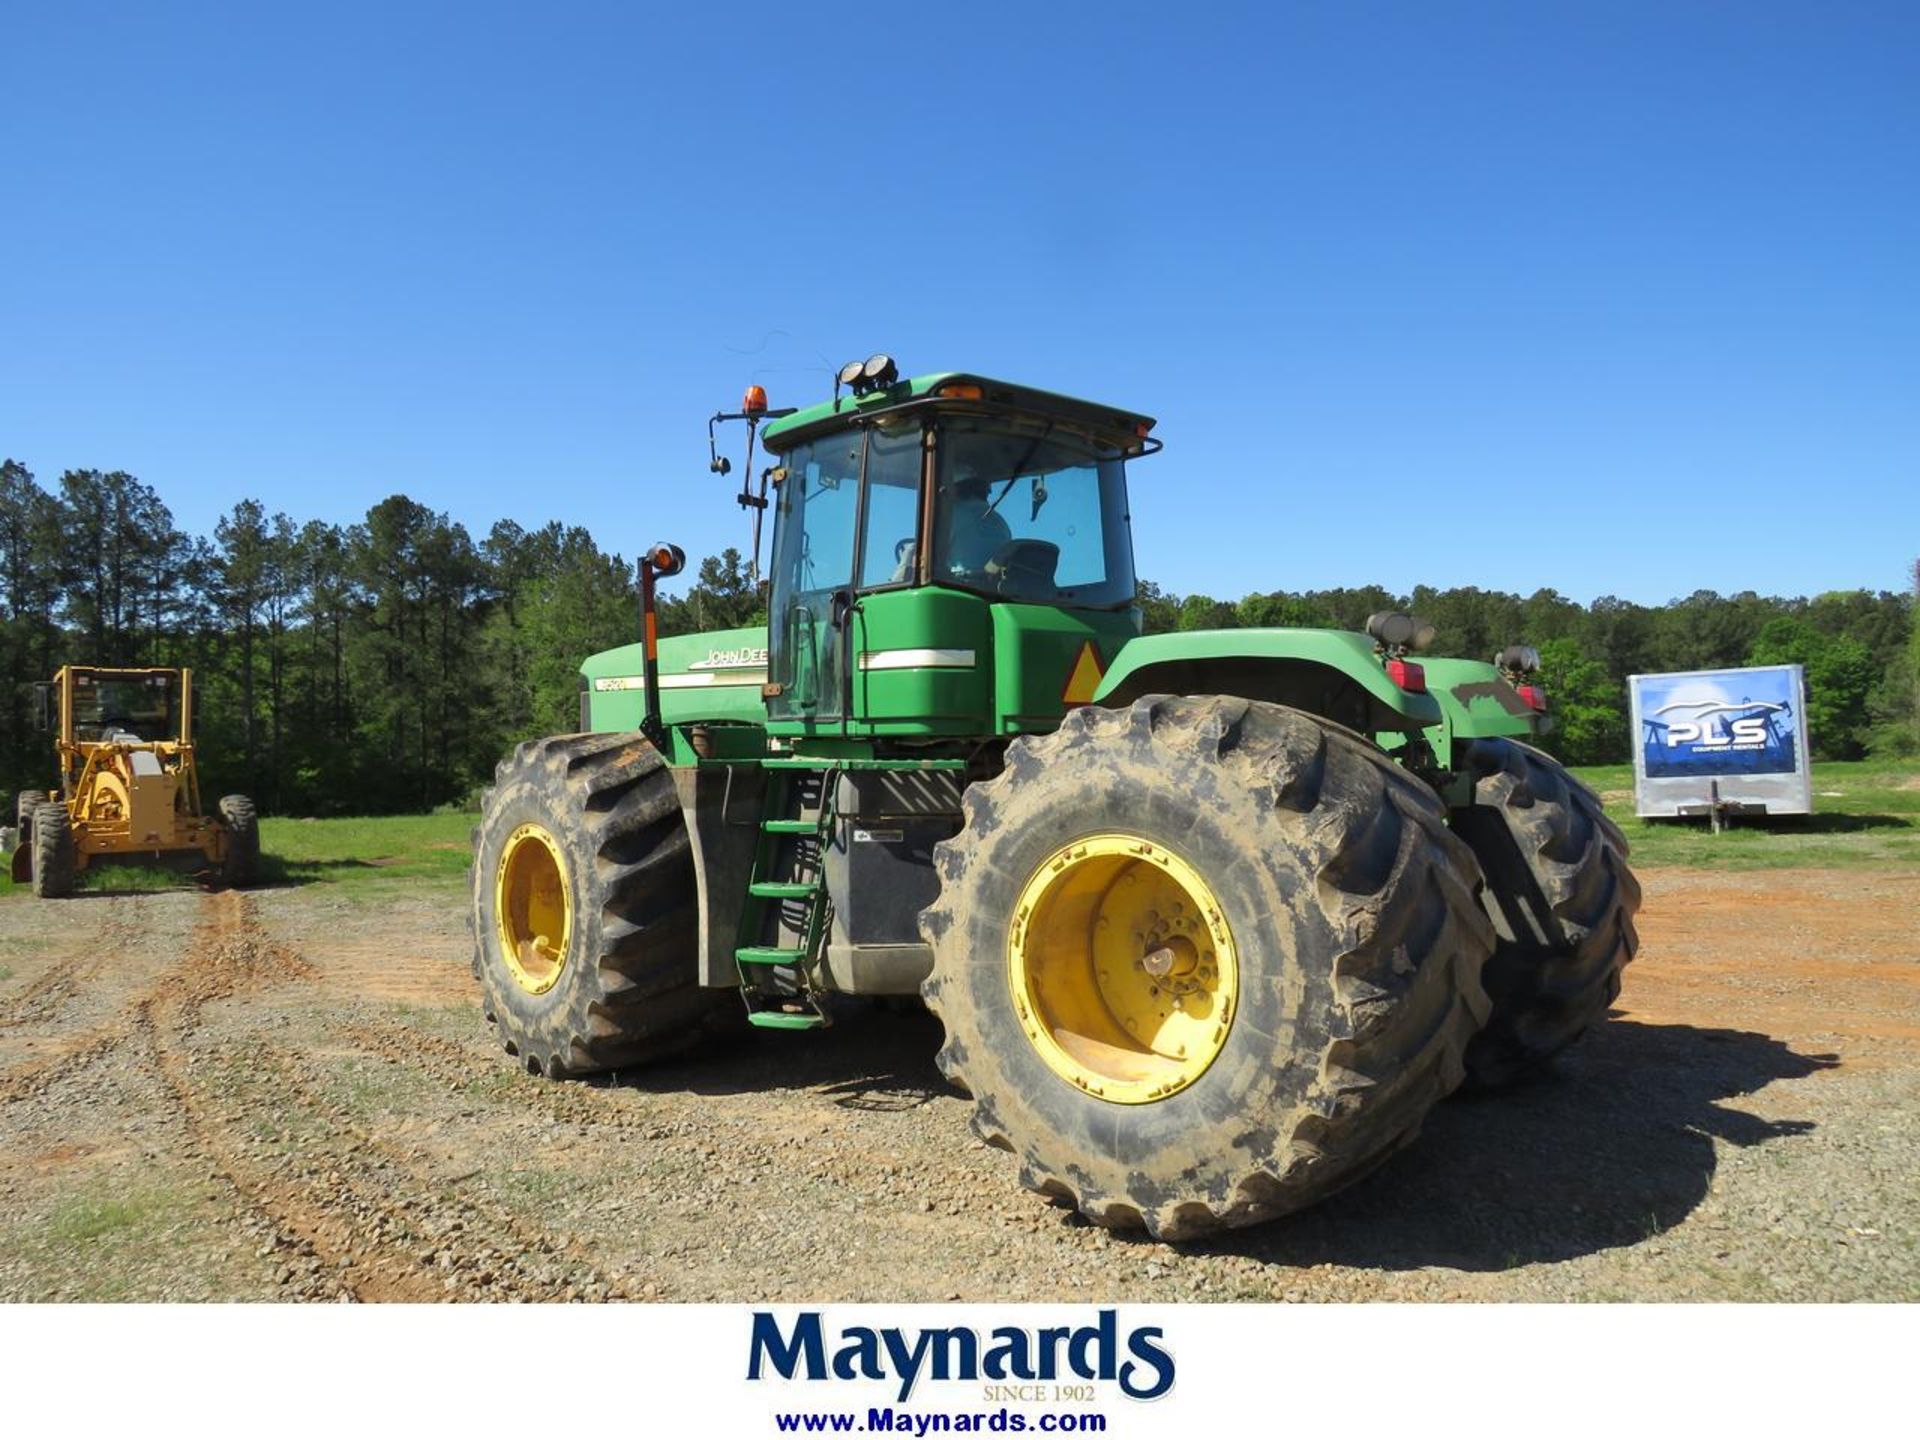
(873, 1058)
(1613, 1149)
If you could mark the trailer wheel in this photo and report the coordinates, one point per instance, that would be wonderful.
(585, 928)
(241, 867)
(1561, 898)
(1202, 961)
(53, 857)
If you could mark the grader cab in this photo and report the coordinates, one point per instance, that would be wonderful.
(128, 789)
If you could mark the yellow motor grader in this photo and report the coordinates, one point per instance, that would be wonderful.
(129, 791)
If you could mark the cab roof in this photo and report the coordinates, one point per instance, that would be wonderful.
(1124, 427)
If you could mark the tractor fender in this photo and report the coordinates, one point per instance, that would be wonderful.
(1330, 673)
(1476, 703)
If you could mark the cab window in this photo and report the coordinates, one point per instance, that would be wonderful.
(1026, 511)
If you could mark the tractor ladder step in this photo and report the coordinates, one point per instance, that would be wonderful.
(785, 1020)
(784, 889)
(770, 955)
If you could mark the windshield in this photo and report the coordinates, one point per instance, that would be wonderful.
(1026, 511)
(138, 705)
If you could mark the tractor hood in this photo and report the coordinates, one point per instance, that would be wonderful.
(714, 676)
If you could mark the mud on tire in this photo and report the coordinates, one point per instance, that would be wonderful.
(627, 991)
(241, 866)
(1561, 898)
(1360, 944)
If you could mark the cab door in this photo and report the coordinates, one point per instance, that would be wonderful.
(816, 527)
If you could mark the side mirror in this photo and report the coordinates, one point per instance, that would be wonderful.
(42, 706)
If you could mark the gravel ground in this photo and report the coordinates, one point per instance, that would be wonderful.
(289, 1095)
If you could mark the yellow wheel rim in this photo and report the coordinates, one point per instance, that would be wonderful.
(531, 908)
(1123, 968)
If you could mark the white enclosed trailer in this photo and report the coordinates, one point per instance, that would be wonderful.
(1721, 742)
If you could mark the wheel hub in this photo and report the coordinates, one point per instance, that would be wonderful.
(530, 903)
(1123, 968)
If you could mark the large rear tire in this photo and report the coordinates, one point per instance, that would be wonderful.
(1561, 898)
(585, 929)
(1329, 1002)
(241, 867)
(53, 857)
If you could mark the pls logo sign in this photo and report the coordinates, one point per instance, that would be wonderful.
(808, 1348)
(1749, 724)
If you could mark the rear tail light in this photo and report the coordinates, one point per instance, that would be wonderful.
(1408, 676)
(1535, 697)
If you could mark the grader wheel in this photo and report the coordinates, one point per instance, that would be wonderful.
(241, 867)
(53, 857)
(1203, 961)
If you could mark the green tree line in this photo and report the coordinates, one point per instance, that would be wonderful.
(1861, 650)
(376, 667)
(385, 665)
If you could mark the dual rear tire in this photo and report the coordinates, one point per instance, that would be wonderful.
(1333, 985)
(1561, 899)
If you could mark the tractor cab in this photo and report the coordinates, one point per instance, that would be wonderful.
(951, 555)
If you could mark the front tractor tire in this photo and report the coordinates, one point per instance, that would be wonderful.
(1203, 961)
(54, 863)
(240, 866)
(585, 929)
(1561, 898)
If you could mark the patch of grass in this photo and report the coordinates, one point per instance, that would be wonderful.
(493, 1085)
(367, 853)
(132, 879)
(1866, 813)
(541, 1188)
(86, 1218)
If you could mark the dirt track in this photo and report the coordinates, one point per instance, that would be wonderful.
(289, 1094)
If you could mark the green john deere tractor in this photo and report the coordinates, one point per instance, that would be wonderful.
(1211, 919)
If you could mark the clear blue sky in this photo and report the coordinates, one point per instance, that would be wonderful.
(1613, 298)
